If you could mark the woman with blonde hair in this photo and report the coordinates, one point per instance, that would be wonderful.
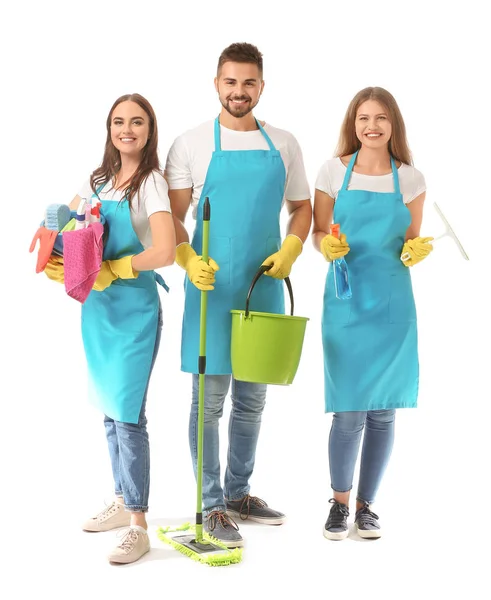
(369, 336)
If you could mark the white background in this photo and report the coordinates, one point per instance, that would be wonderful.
(63, 65)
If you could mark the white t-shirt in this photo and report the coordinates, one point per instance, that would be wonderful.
(153, 197)
(190, 155)
(331, 176)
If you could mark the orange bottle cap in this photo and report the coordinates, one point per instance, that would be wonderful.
(335, 230)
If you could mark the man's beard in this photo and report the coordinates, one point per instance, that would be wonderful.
(238, 112)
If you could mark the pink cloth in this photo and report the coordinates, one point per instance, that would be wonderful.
(82, 259)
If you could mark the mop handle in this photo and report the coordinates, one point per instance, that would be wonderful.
(201, 376)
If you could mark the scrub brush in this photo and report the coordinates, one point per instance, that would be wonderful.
(57, 216)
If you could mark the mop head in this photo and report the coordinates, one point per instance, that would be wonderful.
(212, 552)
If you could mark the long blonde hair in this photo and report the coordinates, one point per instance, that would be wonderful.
(348, 142)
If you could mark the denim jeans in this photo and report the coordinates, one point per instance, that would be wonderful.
(129, 451)
(344, 443)
(248, 400)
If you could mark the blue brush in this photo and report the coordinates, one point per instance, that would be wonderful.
(57, 216)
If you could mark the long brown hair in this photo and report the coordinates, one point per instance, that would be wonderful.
(111, 161)
(348, 142)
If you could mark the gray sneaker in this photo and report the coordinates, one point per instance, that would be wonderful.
(336, 527)
(219, 525)
(366, 523)
(254, 509)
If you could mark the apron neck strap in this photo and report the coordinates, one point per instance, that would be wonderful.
(266, 136)
(217, 135)
(218, 146)
(349, 169)
(395, 176)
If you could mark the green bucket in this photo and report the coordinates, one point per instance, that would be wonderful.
(266, 347)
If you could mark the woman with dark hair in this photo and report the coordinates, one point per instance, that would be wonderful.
(376, 196)
(121, 318)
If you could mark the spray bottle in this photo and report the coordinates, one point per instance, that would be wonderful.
(95, 210)
(80, 216)
(341, 275)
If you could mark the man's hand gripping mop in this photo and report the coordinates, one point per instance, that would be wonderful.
(189, 539)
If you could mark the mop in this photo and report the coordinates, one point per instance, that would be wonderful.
(192, 540)
(449, 232)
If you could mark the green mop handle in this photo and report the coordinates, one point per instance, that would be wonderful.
(201, 371)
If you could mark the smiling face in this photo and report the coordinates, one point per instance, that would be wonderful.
(239, 87)
(372, 124)
(130, 128)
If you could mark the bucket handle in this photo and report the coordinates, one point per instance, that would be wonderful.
(262, 270)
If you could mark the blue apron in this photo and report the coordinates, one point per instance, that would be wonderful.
(370, 341)
(246, 189)
(119, 325)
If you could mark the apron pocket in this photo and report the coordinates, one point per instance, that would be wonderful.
(219, 251)
(402, 308)
(124, 309)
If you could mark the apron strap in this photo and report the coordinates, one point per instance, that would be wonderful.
(351, 164)
(349, 169)
(100, 188)
(395, 175)
(160, 280)
(266, 136)
(217, 135)
(218, 146)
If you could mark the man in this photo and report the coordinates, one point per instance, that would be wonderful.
(248, 170)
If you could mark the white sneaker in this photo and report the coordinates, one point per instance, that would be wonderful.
(112, 517)
(134, 544)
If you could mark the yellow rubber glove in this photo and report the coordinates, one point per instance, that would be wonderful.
(122, 268)
(283, 260)
(111, 270)
(333, 248)
(414, 251)
(104, 278)
(201, 274)
(54, 268)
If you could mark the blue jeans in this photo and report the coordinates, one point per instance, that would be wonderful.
(129, 451)
(248, 400)
(344, 443)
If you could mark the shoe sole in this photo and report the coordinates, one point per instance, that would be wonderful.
(227, 543)
(369, 534)
(124, 560)
(263, 520)
(335, 535)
